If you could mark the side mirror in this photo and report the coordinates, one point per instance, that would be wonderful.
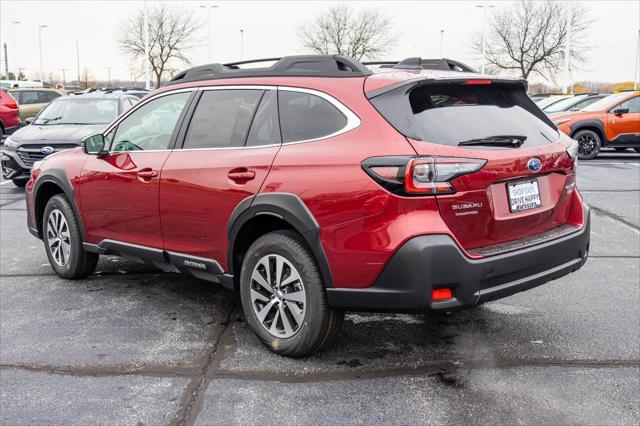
(620, 111)
(94, 145)
(29, 120)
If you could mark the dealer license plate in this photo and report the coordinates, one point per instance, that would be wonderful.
(523, 195)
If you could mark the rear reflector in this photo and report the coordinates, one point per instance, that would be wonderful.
(441, 294)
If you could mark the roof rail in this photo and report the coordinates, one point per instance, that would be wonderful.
(444, 64)
(299, 66)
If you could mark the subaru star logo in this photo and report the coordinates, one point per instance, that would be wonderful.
(46, 150)
(534, 164)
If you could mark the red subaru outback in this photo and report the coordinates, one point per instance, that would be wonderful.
(316, 186)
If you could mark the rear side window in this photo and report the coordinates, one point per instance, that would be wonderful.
(222, 118)
(27, 97)
(304, 116)
(448, 114)
(51, 96)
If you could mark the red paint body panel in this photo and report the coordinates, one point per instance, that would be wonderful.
(197, 196)
(116, 203)
(9, 112)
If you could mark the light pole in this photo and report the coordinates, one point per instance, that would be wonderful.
(484, 33)
(64, 75)
(78, 61)
(567, 63)
(241, 44)
(108, 76)
(15, 48)
(210, 42)
(40, 52)
(637, 74)
(147, 84)
(441, 43)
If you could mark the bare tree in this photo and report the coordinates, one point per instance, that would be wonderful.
(363, 34)
(171, 36)
(532, 37)
(85, 78)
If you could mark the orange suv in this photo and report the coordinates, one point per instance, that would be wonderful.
(613, 121)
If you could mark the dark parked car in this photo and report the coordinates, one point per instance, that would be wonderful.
(60, 125)
(316, 186)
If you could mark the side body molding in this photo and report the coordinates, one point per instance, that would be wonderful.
(285, 206)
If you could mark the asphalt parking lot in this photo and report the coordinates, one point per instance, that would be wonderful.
(134, 346)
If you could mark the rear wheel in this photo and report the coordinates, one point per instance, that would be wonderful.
(589, 144)
(63, 241)
(283, 296)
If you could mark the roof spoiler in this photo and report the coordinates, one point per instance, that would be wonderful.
(417, 63)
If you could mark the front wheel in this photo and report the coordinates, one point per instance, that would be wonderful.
(63, 241)
(283, 296)
(589, 144)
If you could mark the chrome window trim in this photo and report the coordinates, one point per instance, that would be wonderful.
(353, 121)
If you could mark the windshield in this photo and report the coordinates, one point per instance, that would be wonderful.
(452, 113)
(606, 103)
(564, 104)
(78, 111)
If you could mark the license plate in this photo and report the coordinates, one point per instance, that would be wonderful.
(523, 195)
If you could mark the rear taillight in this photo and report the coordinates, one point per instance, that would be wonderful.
(420, 175)
(572, 152)
(11, 103)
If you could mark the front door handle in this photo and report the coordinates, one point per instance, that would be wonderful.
(147, 174)
(241, 175)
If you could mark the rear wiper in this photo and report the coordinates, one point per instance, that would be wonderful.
(514, 141)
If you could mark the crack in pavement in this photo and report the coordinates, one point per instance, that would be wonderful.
(614, 217)
(194, 389)
(202, 375)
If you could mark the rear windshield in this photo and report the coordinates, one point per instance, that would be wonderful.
(452, 113)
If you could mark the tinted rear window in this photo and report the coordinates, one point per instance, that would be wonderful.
(304, 116)
(451, 113)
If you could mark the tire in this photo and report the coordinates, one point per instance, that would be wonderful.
(70, 260)
(589, 144)
(20, 183)
(312, 324)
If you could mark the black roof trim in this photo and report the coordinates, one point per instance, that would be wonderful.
(298, 66)
(443, 64)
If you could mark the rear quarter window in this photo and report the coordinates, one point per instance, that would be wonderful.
(304, 116)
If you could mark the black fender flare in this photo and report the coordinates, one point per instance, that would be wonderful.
(285, 206)
(594, 122)
(59, 178)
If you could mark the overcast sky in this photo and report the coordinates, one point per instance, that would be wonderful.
(270, 30)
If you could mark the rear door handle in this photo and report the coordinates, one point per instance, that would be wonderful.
(147, 174)
(241, 175)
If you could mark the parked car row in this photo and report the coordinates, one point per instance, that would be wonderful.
(61, 125)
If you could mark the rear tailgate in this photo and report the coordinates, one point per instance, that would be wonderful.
(522, 190)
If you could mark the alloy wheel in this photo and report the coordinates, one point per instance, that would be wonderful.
(586, 144)
(278, 296)
(58, 237)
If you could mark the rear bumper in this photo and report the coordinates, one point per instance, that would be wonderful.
(434, 261)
